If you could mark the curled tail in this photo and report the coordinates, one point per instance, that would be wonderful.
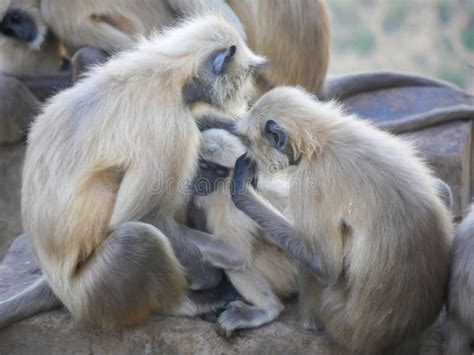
(35, 299)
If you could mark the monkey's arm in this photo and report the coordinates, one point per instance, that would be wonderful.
(215, 251)
(270, 219)
(209, 120)
(189, 8)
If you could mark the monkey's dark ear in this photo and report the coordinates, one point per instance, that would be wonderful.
(276, 135)
(221, 59)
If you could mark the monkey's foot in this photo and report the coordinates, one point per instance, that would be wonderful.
(240, 315)
(313, 325)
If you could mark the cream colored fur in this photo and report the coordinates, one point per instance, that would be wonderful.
(368, 208)
(43, 56)
(115, 147)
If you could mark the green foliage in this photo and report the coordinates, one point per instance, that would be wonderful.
(363, 40)
(453, 74)
(445, 11)
(468, 32)
(395, 15)
(343, 10)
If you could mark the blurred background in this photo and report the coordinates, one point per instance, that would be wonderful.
(430, 37)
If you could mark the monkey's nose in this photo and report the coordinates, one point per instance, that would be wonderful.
(19, 25)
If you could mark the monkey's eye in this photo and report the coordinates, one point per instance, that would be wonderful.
(275, 138)
(15, 19)
(221, 171)
(203, 164)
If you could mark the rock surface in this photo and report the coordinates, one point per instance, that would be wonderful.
(11, 163)
(56, 333)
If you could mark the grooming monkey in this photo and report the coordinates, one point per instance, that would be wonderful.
(115, 152)
(269, 274)
(460, 304)
(294, 35)
(364, 220)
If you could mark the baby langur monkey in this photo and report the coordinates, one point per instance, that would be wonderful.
(460, 304)
(364, 220)
(110, 161)
(268, 274)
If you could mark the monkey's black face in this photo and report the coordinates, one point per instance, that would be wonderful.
(19, 25)
(202, 87)
(224, 80)
(210, 175)
(277, 138)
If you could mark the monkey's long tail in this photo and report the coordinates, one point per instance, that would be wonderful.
(34, 299)
(343, 86)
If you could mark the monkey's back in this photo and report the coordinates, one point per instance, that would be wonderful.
(86, 141)
(461, 284)
(293, 34)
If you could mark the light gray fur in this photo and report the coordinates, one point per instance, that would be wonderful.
(365, 220)
(460, 303)
(36, 298)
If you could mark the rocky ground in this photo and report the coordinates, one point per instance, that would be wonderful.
(56, 333)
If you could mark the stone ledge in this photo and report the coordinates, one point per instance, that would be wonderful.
(57, 333)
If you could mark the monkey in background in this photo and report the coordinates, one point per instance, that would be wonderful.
(293, 34)
(364, 220)
(460, 303)
(268, 274)
(112, 156)
(26, 48)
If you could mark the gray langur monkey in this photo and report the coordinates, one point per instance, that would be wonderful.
(269, 273)
(364, 220)
(26, 45)
(293, 34)
(108, 164)
(26, 48)
(460, 303)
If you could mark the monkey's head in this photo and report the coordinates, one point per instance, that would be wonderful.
(21, 23)
(281, 128)
(219, 152)
(217, 66)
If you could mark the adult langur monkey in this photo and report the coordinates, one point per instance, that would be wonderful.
(460, 306)
(118, 150)
(269, 274)
(293, 34)
(26, 48)
(364, 219)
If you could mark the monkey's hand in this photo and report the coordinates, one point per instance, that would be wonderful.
(244, 173)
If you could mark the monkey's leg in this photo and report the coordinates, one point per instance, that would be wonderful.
(36, 298)
(213, 250)
(270, 219)
(84, 58)
(458, 338)
(201, 274)
(309, 301)
(255, 289)
(18, 107)
(206, 301)
(133, 273)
